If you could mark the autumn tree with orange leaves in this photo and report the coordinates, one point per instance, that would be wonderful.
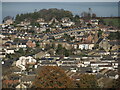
(52, 77)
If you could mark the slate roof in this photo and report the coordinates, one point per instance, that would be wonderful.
(85, 70)
(111, 73)
(13, 43)
(99, 40)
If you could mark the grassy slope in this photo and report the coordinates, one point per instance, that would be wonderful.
(115, 21)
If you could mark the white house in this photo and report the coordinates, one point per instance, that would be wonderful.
(91, 46)
(87, 62)
(115, 64)
(83, 46)
(105, 67)
(86, 46)
(68, 24)
(22, 86)
(94, 21)
(96, 64)
(21, 45)
(9, 51)
(23, 61)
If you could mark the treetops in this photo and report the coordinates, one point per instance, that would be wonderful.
(46, 14)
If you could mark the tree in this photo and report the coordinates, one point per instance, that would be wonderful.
(47, 30)
(114, 35)
(100, 33)
(21, 50)
(66, 52)
(67, 37)
(47, 47)
(110, 23)
(102, 22)
(37, 44)
(16, 40)
(52, 77)
(76, 19)
(87, 81)
(46, 14)
(53, 46)
(59, 49)
(33, 23)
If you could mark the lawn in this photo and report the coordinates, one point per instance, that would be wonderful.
(112, 21)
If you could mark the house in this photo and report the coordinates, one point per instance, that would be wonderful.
(76, 57)
(105, 44)
(112, 74)
(86, 63)
(85, 70)
(9, 44)
(64, 44)
(44, 43)
(5, 39)
(115, 64)
(67, 22)
(69, 64)
(94, 21)
(42, 29)
(21, 45)
(25, 23)
(95, 37)
(55, 57)
(53, 20)
(102, 52)
(2, 53)
(41, 21)
(21, 86)
(91, 45)
(65, 19)
(31, 44)
(82, 33)
(96, 64)
(90, 38)
(9, 51)
(9, 21)
(23, 61)
(85, 46)
(110, 67)
(48, 63)
(40, 55)
(105, 34)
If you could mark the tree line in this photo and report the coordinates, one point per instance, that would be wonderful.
(46, 14)
(55, 77)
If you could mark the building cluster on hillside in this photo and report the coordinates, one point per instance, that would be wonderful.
(26, 49)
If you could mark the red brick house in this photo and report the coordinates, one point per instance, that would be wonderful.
(31, 44)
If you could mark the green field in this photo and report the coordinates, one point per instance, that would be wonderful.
(112, 21)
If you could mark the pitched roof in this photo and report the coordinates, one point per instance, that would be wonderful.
(99, 40)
